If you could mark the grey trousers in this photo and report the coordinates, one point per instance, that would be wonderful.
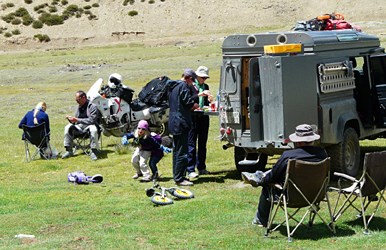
(80, 128)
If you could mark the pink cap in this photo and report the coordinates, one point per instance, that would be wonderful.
(143, 124)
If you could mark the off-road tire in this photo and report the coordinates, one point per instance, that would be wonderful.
(159, 200)
(239, 155)
(345, 156)
(182, 193)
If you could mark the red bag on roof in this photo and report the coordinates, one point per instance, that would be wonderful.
(331, 24)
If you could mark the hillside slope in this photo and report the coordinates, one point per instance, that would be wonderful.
(172, 21)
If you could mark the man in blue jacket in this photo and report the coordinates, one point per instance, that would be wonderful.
(181, 103)
(303, 140)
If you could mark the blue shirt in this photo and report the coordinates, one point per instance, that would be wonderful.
(41, 116)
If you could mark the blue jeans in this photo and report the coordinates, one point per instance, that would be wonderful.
(153, 164)
(180, 156)
(198, 137)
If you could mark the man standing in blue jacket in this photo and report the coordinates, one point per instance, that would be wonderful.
(181, 103)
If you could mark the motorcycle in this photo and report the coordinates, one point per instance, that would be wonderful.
(120, 114)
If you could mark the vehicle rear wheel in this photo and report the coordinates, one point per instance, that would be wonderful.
(345, 156)
(240, 154)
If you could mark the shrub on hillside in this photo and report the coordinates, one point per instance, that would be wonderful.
(8, 18)
(151, 1)
(52, 9)
(133, 13)
(95, 5)
(16, 21)
(16, 32)
(125, 2)
(39, 7)
(64, 2)
(37, 24)
(42, 38)
(21, 12)
(7, 34)
(51, 20)
(10, 5)
(28, 1)
(27, 19)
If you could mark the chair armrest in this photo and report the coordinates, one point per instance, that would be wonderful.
(348, 177)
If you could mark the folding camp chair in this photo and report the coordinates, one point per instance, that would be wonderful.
(82, 140)
(37, 137)
(305, 187)
(369, 187)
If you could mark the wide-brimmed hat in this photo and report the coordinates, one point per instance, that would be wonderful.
(304, 133)
(202, 71)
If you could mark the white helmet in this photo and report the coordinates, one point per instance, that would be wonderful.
(115, 80)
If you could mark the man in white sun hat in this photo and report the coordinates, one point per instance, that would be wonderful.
(198, 134)
(303, 139)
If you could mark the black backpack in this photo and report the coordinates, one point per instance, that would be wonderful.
(155, 92)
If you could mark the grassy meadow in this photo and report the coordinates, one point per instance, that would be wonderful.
(35, 197)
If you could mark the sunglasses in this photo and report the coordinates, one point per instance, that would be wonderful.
(141, 129)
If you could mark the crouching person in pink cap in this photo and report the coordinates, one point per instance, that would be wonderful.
(148, 148)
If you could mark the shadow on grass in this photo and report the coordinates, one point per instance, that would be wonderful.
(318, 231)
(218, 176)
(376, 224)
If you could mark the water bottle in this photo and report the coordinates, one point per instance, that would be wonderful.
(24, 236)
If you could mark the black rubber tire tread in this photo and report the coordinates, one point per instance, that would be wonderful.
(239, 155)
(340, 152)
(159, 200)
(182, 193)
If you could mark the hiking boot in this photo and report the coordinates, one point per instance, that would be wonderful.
(251, 178)
(67, 154)
(192, 175)
(203, 172)
(184, 183)
(155, 177)
(137, 175)
(93, 155)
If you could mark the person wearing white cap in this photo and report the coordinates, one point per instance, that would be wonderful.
(303, 140)
(198, 134)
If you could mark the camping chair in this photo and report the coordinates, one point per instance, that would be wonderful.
(82, 140)
(371, 183)
(36, 136)
(305, 186)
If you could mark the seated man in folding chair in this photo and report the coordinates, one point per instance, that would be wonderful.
(303, 140)
(85, 120)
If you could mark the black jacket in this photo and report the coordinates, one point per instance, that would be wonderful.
(307, 153)
(181, 101)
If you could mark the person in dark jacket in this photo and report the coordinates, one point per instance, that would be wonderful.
(181, 103)
(303, 139)
(198, 134)
(36, 116)
(86, 118)
(149, 149)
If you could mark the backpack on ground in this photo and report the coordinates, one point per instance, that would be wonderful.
(79, 177)
(155, 92)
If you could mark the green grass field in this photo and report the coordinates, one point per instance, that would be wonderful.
(35, 198)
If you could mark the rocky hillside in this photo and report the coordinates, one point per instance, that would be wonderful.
(35, 24)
